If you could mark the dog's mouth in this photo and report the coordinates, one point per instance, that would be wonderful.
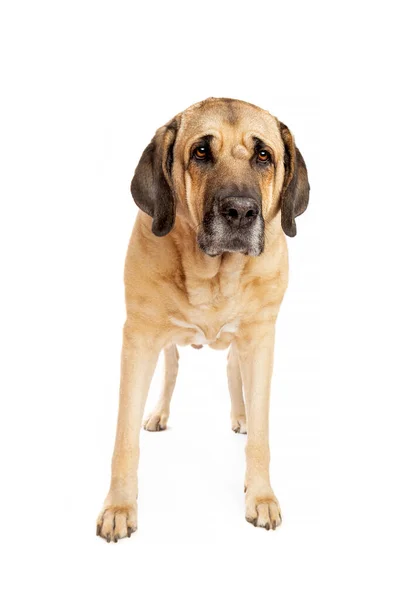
(215, 246)
(234, 224)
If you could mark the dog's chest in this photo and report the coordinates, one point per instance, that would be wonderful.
(210, 317)
(210, 332)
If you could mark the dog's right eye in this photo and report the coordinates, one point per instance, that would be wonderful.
(200, 153)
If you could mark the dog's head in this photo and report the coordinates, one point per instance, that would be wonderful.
(227, 167)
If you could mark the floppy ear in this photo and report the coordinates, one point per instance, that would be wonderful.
(296, 189)
(151, 185)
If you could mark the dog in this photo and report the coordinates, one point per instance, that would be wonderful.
(218, 186)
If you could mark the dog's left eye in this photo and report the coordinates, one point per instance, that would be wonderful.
(263, 156)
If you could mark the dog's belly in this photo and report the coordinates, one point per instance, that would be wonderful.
(190, 334)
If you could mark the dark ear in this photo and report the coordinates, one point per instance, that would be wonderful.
(151, 186)
(296, 189)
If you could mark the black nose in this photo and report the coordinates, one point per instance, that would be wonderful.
(239, 212)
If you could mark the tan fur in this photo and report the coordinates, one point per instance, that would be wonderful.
(176, 294)
(157, 420)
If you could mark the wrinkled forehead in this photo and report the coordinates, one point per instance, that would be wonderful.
(230, 120)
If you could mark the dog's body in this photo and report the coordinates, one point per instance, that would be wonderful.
(207, 264)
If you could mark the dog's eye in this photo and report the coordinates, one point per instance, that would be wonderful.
(263, 156)
(200, 153)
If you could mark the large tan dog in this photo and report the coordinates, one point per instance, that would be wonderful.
(218, 186)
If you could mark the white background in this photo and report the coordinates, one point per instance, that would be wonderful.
(84, 86)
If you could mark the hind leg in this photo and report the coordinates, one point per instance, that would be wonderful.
(157, 420)
(238, 411)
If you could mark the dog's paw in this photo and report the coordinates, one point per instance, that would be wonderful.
(156, 421)
(116, 522)
(239, 423)
(263, 511)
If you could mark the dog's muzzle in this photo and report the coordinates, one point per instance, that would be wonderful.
(233, 224)
(238, 212)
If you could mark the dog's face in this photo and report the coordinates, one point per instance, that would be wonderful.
(226, 166)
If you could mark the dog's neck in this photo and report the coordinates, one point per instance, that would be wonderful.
(208, 279)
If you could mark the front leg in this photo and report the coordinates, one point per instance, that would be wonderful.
(118, 517)
(256, 350)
